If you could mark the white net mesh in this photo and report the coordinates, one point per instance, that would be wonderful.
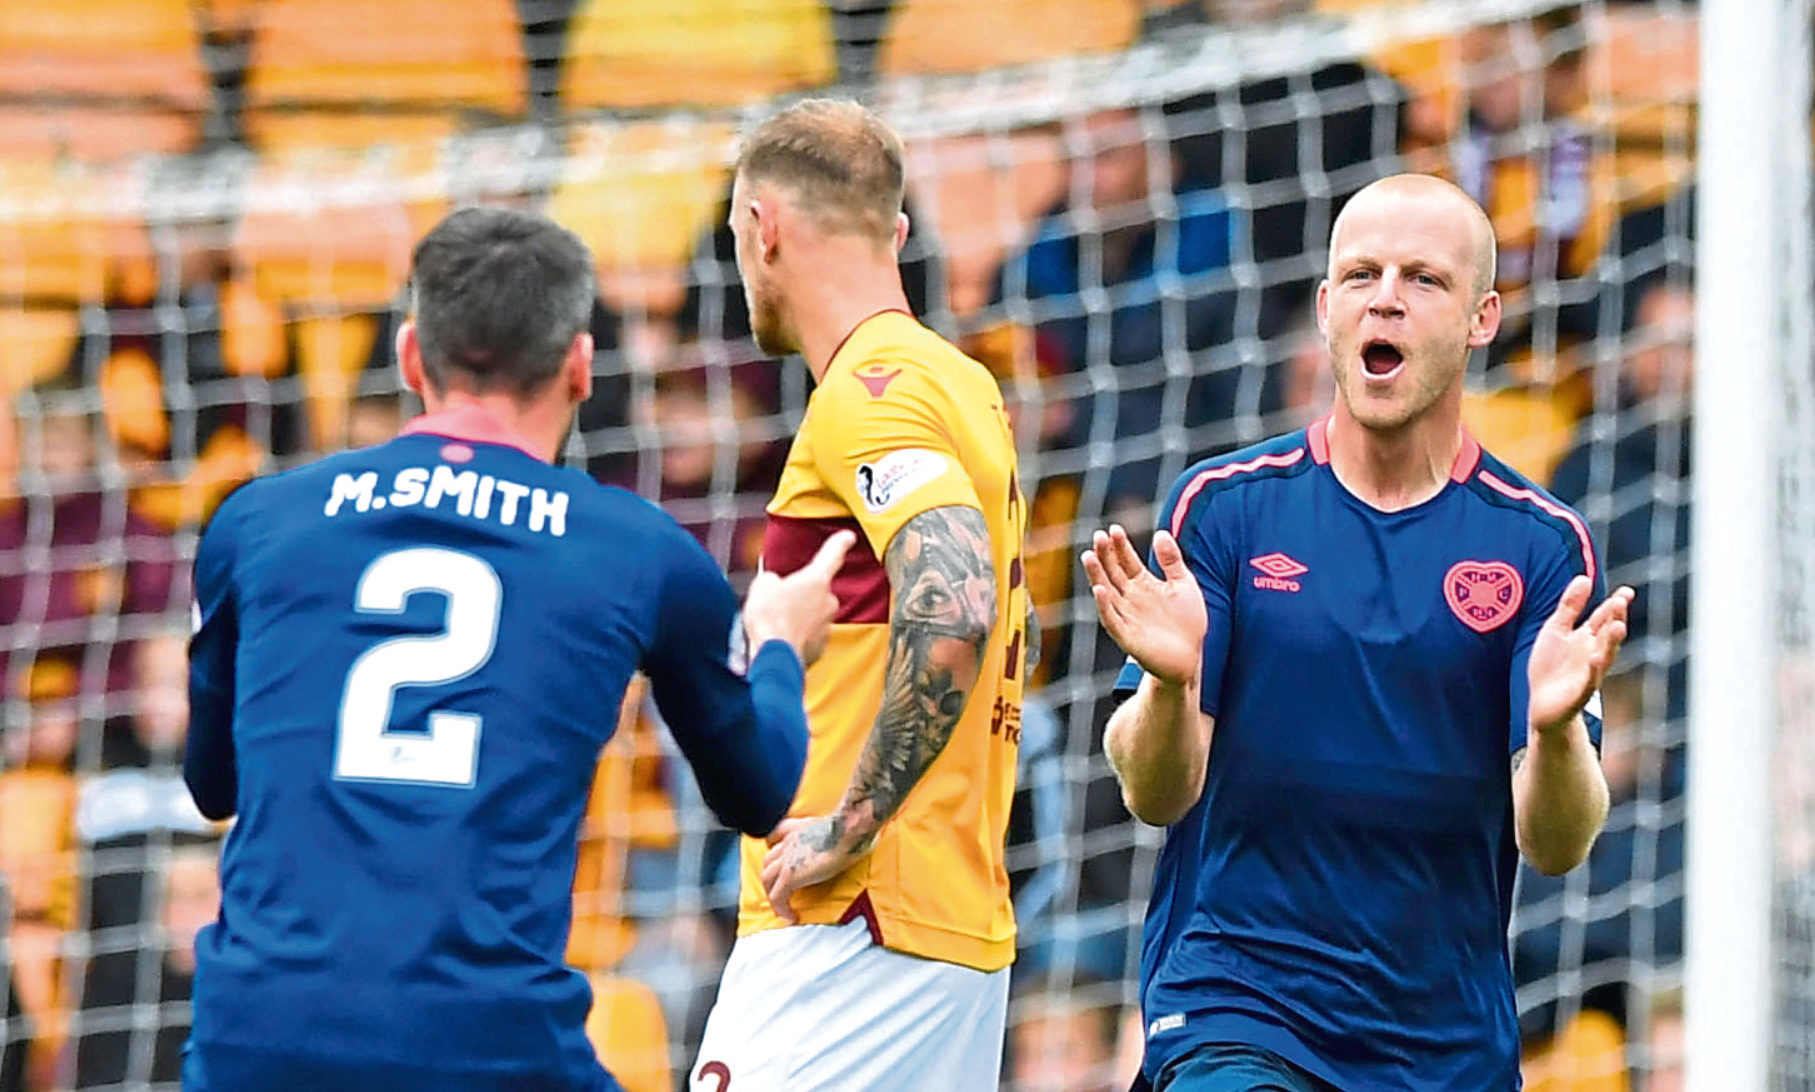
(1122, 211)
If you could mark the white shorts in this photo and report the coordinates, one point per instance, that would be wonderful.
(821, 1008)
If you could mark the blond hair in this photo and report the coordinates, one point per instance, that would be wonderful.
(839, 162)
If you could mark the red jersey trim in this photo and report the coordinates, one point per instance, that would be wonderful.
(1229, 470)
(861, 584)
(1489, 479)
(471, 423)
(861, 907)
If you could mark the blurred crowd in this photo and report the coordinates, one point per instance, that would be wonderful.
(1139, 277)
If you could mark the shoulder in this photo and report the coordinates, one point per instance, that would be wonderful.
(1283, 457)
(894, 360)
(1504, 494)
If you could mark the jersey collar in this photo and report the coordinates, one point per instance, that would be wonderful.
(471, 423)
(867, 319)
(1468, 455)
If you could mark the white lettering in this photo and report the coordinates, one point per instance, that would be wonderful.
(553, 510)
(460, 486)
(512, 493)
(348, 488)
(483, 506)
(407, 488)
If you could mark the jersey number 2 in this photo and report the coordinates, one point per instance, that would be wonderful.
(366, 749)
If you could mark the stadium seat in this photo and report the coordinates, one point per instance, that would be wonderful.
(141, 56)
(631, 54)
(1587, 1055)
(1529, 427)
(46, 130)
(640, 194)
(983, 195)
(410, 63)
(71, 234)
(630, 1034)
(949, 36)
(1648, 60)
(37, 809)
(629, 807)
(38, 343)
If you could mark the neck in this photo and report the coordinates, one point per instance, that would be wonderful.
(1399, 468)
(540, 421)
(829, 307)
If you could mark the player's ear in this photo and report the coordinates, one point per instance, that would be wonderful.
(409, 359)
(901, 231)
(576, 368)
(1484, 325)
(1323, 307)
(768, 227)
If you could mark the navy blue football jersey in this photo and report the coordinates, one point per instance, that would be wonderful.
(1341, 892)
(406, 661)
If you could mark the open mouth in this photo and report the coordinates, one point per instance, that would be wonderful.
(1381, 359)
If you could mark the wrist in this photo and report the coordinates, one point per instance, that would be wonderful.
(1536, 730)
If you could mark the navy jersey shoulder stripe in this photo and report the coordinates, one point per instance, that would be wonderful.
(1281, 456)
(1504, 487)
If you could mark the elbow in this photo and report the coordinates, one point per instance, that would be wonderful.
(1555, 857)
(1160, 809)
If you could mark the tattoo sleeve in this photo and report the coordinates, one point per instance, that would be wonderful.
(945, 607)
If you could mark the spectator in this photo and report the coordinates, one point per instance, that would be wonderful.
(1124, 279)
(1294, 171)
(79, 570)
(1527, 155)
(1063, 1037)
(1636, 489)
(135, 1005)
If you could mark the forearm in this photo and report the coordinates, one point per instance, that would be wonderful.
(750, 784)
(1559, 798)
(939, 630)
(1158, 743)
(929, 683)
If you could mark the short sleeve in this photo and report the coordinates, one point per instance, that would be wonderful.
(879, 443)
(1201, 540)
(1574, 555)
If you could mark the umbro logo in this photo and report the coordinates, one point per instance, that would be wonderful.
(1277, 572)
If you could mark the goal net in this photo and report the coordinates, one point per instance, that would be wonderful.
(1121, 208)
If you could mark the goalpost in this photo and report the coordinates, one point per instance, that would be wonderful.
(1751, 555)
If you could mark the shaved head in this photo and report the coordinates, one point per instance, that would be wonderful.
(1435, 197)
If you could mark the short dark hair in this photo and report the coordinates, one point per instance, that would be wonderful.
(499, 295)
(838, 159)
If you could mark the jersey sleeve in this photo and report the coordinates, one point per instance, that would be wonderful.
(210, 767)
(743, 732)
(1200, 537)
(1551, 575)
(887, 455)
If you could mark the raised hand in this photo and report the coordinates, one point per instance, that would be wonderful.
(1158, 620)
(1569, 661)
(797, 608)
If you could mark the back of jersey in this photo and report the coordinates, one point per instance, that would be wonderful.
(432, 640)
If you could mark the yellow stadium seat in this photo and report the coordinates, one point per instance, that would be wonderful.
(399, 56)
(1648, 61)
(69, 234)
(946, 36)
(640, 195)
(37, 810)
(630, 1034)
(36, 344)
(123, 49)
(1529, 427)
(1587, 1055)
(983, 195)
(46, 131)
(630, 53)
(336, 233)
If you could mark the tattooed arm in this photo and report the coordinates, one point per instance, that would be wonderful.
(945, 606)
